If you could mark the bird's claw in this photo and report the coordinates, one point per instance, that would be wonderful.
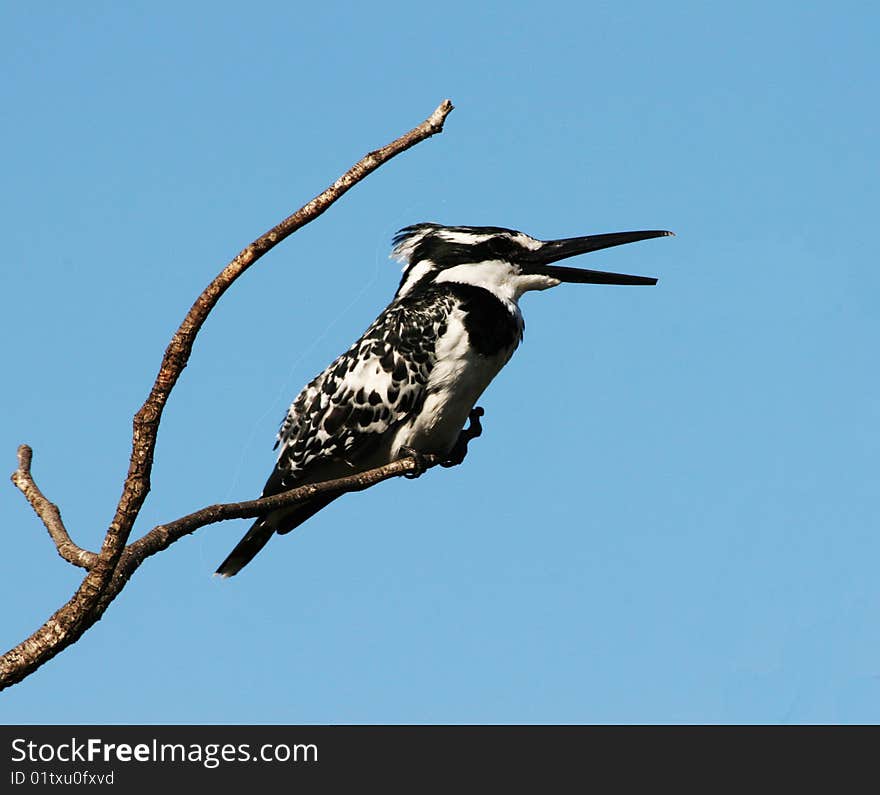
(419, 460)
(456, 455)
(459, 451)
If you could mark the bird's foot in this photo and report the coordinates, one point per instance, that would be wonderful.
(474, 429)
(420, 464)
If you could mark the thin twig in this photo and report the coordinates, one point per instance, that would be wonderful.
(163, 536)
(49, 513)
(87, 605)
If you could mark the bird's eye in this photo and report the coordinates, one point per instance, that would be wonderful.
(498, 247)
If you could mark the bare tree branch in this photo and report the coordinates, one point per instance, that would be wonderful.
(49, 513)
(164, 535)
(105, 578)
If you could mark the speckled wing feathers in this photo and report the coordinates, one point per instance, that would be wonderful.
(344, 412)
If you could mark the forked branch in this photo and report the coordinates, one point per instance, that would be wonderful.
(110, 568)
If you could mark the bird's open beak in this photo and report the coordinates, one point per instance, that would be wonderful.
(555, 250)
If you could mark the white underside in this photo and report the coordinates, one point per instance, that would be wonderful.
(457, 380)
(461, 374)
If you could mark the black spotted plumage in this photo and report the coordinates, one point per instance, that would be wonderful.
(395, 356)
(380, 368)
(338, 417)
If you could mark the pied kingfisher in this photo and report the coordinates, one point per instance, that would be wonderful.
(409, 384)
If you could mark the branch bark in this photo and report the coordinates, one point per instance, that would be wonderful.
(110, 569)
(163, 536)
(49, 513)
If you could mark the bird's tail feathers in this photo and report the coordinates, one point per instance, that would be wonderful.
(246, 549)
(302, 512)
(263, 529)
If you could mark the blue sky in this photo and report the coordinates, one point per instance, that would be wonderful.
(672, 515)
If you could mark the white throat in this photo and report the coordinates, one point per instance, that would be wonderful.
(499, 277)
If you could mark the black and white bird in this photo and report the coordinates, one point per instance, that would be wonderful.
(409, 384)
